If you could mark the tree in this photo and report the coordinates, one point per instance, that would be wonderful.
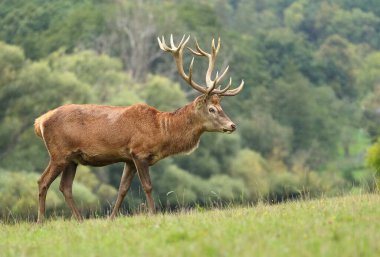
(285, 52)
(255, 16)
(368, 74)
(37, 89)
(102, 73)
(371, 113)
(294, 14)
(337, 57)
(162, 93)
(131, 34)
(213, 155)
(252, 168)
(11, 61)
(264, 134)
(42, 27)
(312, 113)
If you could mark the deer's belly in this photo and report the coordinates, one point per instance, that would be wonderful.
(99, 159)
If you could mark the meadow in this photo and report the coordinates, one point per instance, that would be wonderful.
(342, 226)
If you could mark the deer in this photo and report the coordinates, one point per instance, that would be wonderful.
(138, 135)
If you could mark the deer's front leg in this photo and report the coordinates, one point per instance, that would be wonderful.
(142, 167)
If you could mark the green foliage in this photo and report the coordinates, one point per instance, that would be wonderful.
(11, 61)
(199, 15)
(36, 89)
(294, 14)
(312, 114)
(369, 73)
(311, 72)
(373, 156)
(371, 117)
(178, 187)
(213, 155)
(337, 57)
(284, 52)
(104, 193)
(18, 192)
(253, 170)
(162, 93)
(103, 74)
(50, 25)
(262, 133)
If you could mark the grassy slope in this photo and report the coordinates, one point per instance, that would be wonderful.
(348, 226)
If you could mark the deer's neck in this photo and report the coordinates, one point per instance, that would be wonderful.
(182, 130)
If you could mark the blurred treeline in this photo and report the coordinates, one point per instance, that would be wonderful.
(309, 110)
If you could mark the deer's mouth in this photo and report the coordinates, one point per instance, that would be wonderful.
(228, 131)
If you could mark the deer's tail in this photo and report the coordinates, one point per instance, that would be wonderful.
(38, 126)
(39, 123)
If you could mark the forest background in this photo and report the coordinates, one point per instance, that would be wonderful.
(308, 118)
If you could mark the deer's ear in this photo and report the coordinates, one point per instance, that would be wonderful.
(201, 101)
(207, 98)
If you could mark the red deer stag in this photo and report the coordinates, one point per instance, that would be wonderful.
(138, 135)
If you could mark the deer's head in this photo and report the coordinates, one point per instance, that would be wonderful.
(208, 104)
(212, 115)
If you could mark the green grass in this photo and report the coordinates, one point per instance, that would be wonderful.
(346, 226)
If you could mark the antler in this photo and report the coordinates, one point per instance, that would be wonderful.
(177, 52)
(210, 83)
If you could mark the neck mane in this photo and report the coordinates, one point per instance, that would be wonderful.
(181, 129)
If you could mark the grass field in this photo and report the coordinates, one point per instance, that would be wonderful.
(346, 226)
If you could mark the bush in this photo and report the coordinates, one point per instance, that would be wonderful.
(251, 168)
(19, 195)
(373, 156)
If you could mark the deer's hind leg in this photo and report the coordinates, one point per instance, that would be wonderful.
(65, 187)
(125, 183)
(50, 174)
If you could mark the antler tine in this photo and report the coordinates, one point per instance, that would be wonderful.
(172, 42)
(213, 45)
(215, 50)
(213, 85)
(172, 48)
(195, 52)
(221, 91)
(204, 53)
(218, 79)
(183, 38)
(191, 71)
(218, 46)
(177, 52)
(233, 92)
(160, 44)
(186, 40)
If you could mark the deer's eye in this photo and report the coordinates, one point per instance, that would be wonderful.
(212, 110)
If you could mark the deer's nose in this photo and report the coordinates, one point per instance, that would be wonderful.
(233, 126)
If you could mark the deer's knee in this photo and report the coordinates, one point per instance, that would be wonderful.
(42, 185)
(66, 191)
(42, 190)
(62, 188)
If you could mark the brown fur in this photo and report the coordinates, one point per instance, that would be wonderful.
(138, 135)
